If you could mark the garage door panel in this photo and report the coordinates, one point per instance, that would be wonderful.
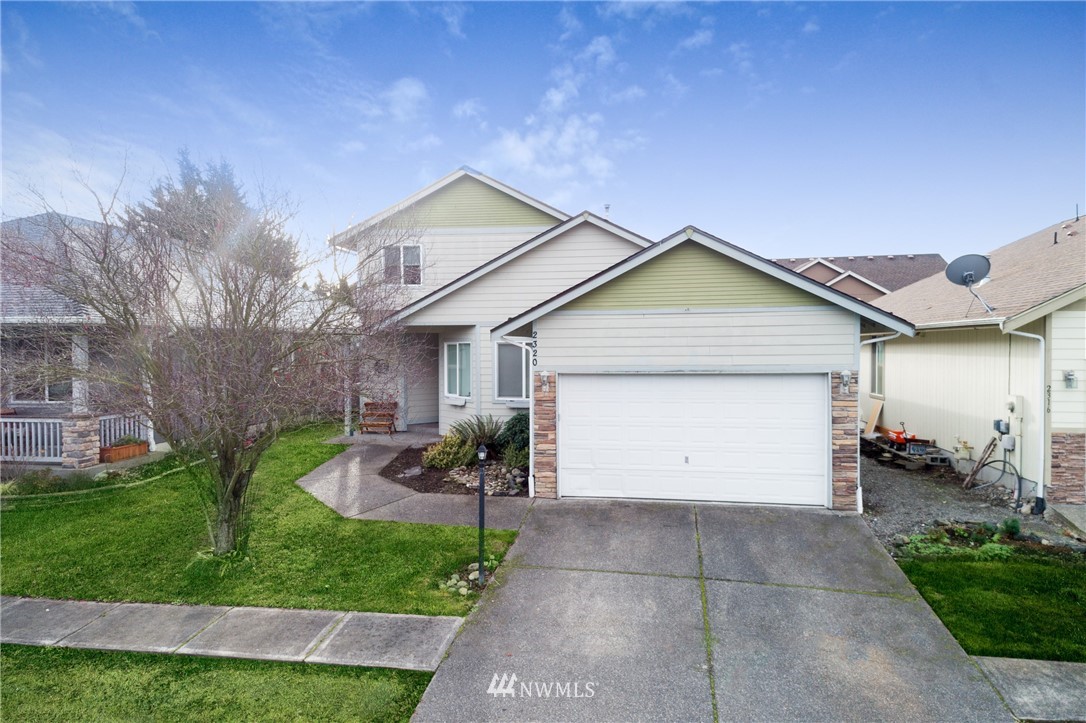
(694, 437)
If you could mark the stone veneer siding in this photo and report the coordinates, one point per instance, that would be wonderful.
(845, 441)
(1068, 482)
(545, 429)
(79, 434)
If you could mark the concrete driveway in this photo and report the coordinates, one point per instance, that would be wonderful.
(657, 611)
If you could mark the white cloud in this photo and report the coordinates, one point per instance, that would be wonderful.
(570, 24)
(674, 87)
(405, 99)
(453, 14)
(19, 40)
(626, 95)
(811, 26)
(601, 50)
(427, 142)
(562, 149)
(470, 108)
(566, 88)
(699, 39)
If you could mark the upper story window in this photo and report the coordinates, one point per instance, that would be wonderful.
(403, 265)
(514, 365)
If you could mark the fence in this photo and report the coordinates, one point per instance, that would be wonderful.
(114, 426)
(31, 440)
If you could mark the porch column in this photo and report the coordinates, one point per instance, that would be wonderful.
(80, 362)
(79, 440)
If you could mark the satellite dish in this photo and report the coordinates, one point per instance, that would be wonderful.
(969, 271)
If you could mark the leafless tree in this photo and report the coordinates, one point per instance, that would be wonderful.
(206, 327)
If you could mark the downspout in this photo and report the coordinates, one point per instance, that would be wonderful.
(527, 346)
(859, 482)
(1039, 503)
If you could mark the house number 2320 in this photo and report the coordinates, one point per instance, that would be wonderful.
(535, 349)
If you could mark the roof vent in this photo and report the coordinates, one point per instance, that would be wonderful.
(791, 259)
(851, 258)
(870, 258)
(910, 256)
(889, 257)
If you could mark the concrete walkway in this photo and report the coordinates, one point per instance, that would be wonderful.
(1039, 690)
(414, 642)
(350, 485)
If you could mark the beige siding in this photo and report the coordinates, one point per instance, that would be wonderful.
(949, 385)
(810, 338)
(423, 382)
(482, 378)
(693, 276)
(467, 202)
(1068, 352)
(529, 279)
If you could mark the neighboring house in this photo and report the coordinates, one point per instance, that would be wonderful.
(696, 370)
(485, 252)
(1024, 363)
(866, 277)
(48, 420)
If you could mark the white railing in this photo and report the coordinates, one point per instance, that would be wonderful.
(114, 426)
(31, 440)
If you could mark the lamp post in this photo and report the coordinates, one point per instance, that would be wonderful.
(482, 511)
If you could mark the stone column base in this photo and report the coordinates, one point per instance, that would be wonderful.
(1068, 482)
(80, 440)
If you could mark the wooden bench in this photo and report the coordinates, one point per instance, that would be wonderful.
(378, 417)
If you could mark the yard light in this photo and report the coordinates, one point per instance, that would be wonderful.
(482, 510)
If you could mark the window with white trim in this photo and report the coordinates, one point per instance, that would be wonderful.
(513, 372)
(458, 369)
(878, 367)
(403, 265)
(34, 375)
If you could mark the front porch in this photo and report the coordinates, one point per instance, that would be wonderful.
(66, 440)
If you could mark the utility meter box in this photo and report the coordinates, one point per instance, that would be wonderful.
(1008, 442)
(1001, 426)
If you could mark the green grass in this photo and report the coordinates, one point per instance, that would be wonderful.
(1027, 606)
(55, 684)
(44, 481)
(143, 544)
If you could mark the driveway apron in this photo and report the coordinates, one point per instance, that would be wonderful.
(610, 610)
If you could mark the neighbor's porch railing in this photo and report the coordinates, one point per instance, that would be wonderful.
(31, 440)
(114, 426)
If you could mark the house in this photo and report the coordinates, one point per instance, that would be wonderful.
(46, 419)
(866, 277)
(469, 252)
(696, 370)
(1023, 363)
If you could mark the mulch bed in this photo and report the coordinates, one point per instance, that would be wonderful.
(429, 480)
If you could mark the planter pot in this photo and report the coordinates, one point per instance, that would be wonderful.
(122, 452)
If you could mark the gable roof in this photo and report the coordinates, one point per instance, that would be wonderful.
(585, 217)
(890, 272)
(851, 275)
(342, 239)
(1026, 274)
(733, 252)
(23, 302)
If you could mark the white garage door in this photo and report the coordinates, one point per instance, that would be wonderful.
(728, 438)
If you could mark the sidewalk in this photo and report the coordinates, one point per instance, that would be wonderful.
(413, 642)
(350, 484)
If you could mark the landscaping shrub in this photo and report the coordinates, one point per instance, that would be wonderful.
(515, 432)
(452, 451)
(1010, 527)
(476, 430)
(514, 456)
(126, 439)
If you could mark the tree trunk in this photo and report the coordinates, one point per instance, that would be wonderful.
(229, 528)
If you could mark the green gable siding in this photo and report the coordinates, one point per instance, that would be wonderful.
(467, 202)
(692, 276)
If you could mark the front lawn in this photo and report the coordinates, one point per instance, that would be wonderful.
(64, 685)
(1029, 605)
(144, 543)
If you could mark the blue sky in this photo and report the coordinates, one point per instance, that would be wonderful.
(787, 128)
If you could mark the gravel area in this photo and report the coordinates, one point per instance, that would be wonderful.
(897, 501)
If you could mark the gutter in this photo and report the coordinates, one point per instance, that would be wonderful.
(1039, 504)
(962, 324)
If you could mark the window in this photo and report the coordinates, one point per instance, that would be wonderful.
(403, 265)
(35, 376)
(878, 367)
(458, 369)
(513, 371)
